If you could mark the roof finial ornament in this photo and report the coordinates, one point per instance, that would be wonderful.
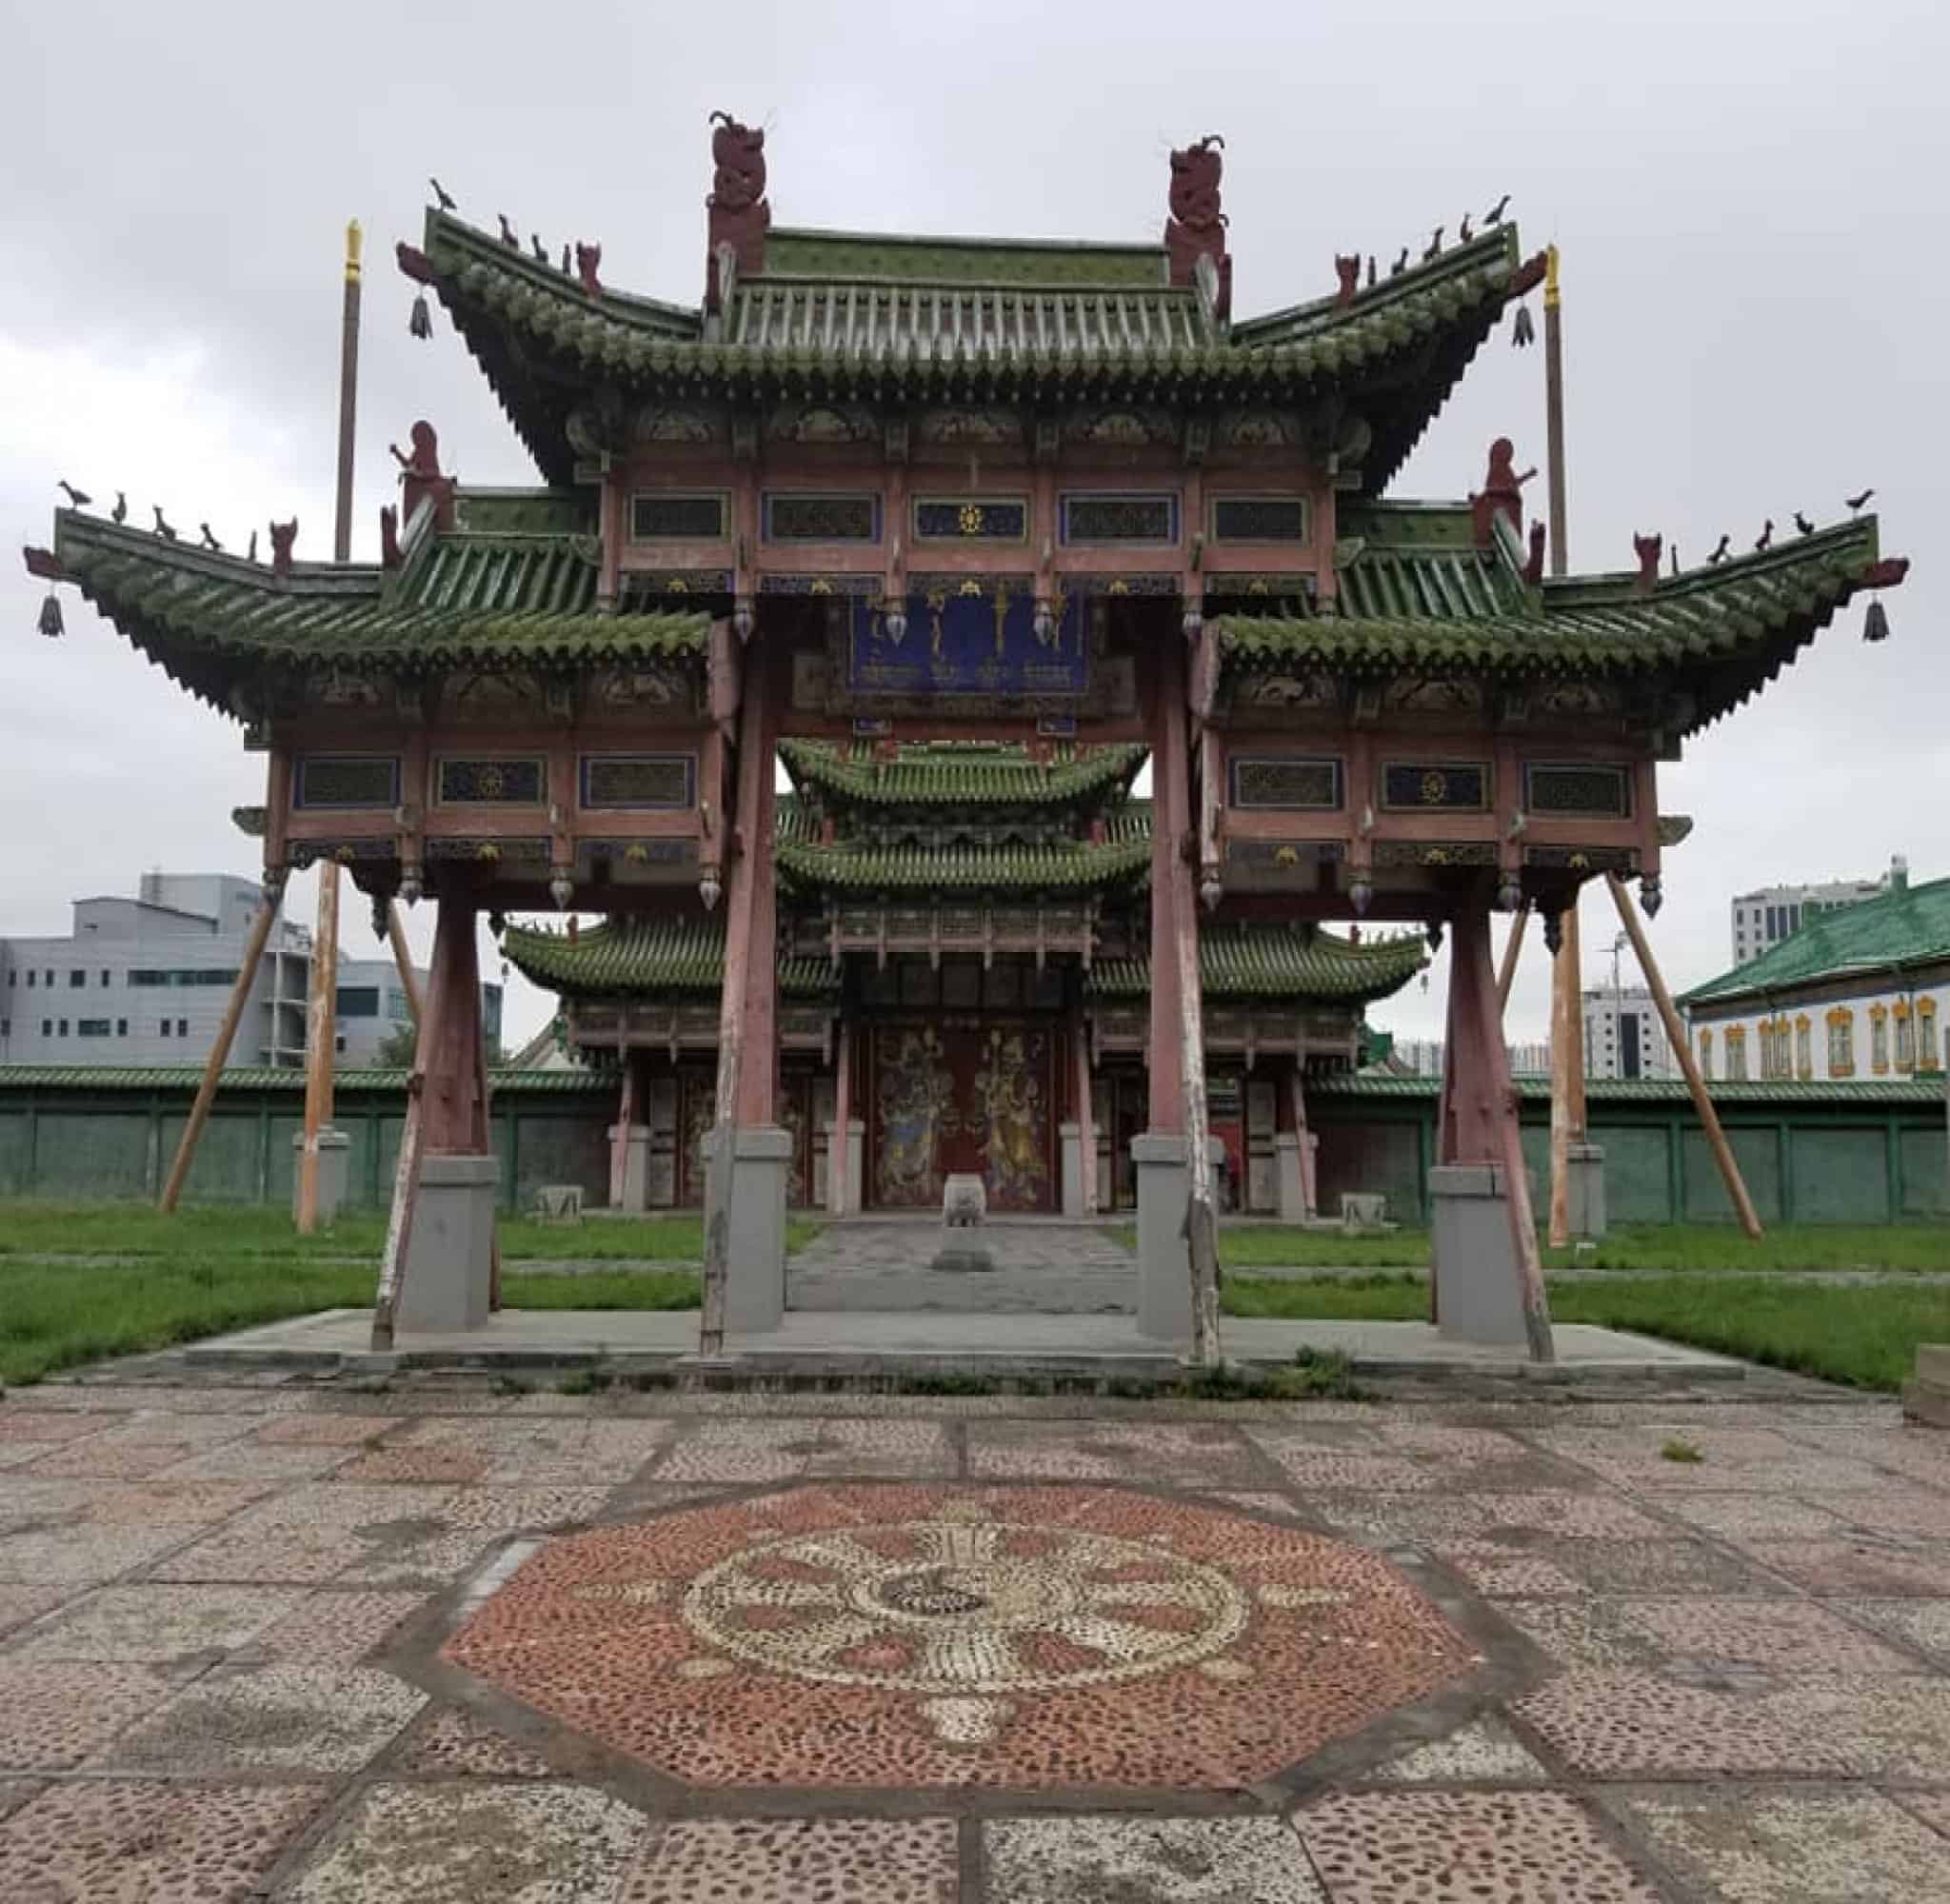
(1803, 525)
(587, 257)
(442, 197)
(1196, 228)
(510, 236)
(1648, 549)
(119, 514)
(163, 528)
(1495, 214)
(422, 479)
(282, 536)
(1719, 554)
(539, 249)
(1435, 246)
(1858, 504)
(209, 541)
(1765, 539)
(1501, 492)
(77, 499)
(736, 211)
(1400, 262)
(1349, 270)
(1464, 234)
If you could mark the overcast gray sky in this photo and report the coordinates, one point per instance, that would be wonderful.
(1756, 294)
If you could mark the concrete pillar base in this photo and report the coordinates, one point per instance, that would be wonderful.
(1584, 1185)
(1070, 1142)
(450, 1253)
(1291, 1195)
(636, 1166)
(755, 1266)
(334, 1172)
(1164, 1273)
(1478, 1281)
(1927, 1398)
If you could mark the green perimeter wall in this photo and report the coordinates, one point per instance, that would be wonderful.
(1867, 1153)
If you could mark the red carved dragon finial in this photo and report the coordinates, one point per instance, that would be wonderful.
(1197, 226)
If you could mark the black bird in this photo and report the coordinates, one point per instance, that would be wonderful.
(541, 250)
(1495, 214)
(1435, 246)
(508, 234)
(1801, 522)
(1858, 504)
(162, 527)
(1720, 554)
(120, 512)
(1464, 234)
(79, 497)
(1767, 537)
(251, 554)
(442, 196)
(1400, 265)
(210, 542)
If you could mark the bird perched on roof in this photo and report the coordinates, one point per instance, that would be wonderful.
(79, 497)
(442, 197)
(1435, 246)
(1718, 555)
(209, 541)
(1765, 539)
(120, 512)
(1801, 522)
(1495, 214)
(541, 250)
(1464, 234)
(1400, 265)
(1858, 504)
(508, 234)
(163, 528)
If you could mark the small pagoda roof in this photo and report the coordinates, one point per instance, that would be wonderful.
(1123, 857)
(647, 955)
(847, 314)
(1905, 926)
(1277, 961)
(963, 773)
(1415, 591)
(513, 584)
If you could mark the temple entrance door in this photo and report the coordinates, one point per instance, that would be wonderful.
(1128, 1116)
(968, 1095)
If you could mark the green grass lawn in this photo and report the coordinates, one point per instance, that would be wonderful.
(242, 1232)
(1703, 1246)
(1863, 1334)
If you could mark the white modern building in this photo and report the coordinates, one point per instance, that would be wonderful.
(146, 980)
(1762, 918)
(1862, 991)
(1623, 1036)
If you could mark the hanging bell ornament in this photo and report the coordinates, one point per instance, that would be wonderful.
(1435, 936)
(421, 323)
(1651, 895)
(1522, 330)
(1552, 932)
(50, 623)
(1875, 623)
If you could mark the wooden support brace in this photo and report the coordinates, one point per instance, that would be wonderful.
(321, 1019)
(1676, 1037)
(396, 935)
(219, 1055)
(1507, 975)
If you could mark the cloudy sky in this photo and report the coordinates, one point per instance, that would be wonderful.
(1756, 295)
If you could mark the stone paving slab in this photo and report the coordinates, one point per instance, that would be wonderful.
(968, 1649)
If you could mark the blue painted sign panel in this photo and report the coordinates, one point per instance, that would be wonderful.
(972, 640)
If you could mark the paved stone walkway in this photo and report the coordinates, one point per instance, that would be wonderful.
(285, 1641)
(1042, 1268)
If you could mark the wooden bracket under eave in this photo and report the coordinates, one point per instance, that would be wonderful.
(1888, 573)
(44, 564)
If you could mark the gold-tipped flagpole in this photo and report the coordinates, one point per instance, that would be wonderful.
(321, 1015)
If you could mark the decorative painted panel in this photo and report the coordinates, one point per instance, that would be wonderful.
(969, 637)
(1294, 781)
(1620, 859)
(510, 782)
(346, 780)
(1451, 786)
(1584, 789)
(1258, 519)
(1396, 853)
(1120, 516)
(971, 519)
(815, 515)
(670, 515)
(612, 781)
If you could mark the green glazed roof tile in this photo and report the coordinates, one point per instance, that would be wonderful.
(1277, 962)
(647, 956)
(962, 773)
(1726, 1094)
(1906, 926)
(1072, 866)
(251, 1078)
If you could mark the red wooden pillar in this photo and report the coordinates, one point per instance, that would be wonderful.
(840, 1148)
(1083, 1112)
(619, 1138)
(1170, 890)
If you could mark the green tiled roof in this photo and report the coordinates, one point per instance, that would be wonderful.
(493, 597)
(1723, 631)
(1727, 1095)
(840, 313)
(647, 955)
(253, 1078)
(1078, 865)
(1277, 962)
(959, 773)
(1908, 925)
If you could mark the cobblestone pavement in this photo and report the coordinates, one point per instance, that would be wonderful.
(1048, 1268)
(296, 1643)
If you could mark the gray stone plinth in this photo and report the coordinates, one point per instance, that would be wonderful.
(334, 1171)
(1287, 1180)
(1477, 1277)
(963, 1200)
(845, 1165)
(636, 1166)
(1164, 1277)
(1927, 1398)
(1585, 1186)
(962, 1258)
(755, 1270)
(1069, 1138)
(451, 1252)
